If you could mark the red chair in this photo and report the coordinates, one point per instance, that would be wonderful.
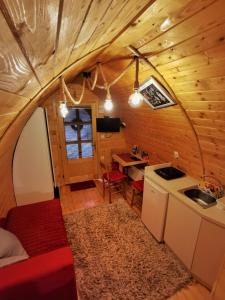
(138, 187)
(114, 180)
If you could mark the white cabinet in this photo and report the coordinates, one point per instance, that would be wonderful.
(181, 231)
(209, 253)
(154, 208)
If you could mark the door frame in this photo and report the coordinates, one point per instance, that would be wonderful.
(72, 179)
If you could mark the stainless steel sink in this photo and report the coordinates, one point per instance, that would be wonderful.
(197, 195)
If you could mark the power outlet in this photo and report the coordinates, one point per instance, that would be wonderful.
(176, 154)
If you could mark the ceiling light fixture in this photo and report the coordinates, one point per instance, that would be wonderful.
(63, 109)
(108, 104)
(136, 98)
(62, 104)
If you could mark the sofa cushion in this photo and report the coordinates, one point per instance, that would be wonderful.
(11, 250)
(38, 226)
(49, 276)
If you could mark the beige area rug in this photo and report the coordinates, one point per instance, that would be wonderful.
(117, 258)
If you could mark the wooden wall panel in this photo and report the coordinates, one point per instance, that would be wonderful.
(105, 142)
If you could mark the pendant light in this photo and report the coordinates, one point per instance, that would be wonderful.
(136, 98)
(62, 104)
(108, 104)
(63, 109)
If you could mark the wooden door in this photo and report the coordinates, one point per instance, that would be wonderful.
(78, 136)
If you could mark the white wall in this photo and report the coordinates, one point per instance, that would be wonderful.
(32, 172)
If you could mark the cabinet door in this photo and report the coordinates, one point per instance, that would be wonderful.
(181, 232)
(209, 252)
(154, 208)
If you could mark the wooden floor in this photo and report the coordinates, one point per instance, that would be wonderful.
(74, 201)
(77, 200)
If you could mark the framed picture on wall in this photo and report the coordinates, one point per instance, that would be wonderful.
(155, 94)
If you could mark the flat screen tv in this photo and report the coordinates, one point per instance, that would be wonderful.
(108, 124)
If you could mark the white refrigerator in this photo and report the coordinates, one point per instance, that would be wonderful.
(154, 208)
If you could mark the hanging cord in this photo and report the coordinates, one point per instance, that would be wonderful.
(67, 92)
(136, 83)
(91, 85)
(106, 85)
(62, 92)
(108, 95)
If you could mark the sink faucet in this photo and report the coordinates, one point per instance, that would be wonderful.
(214, 189)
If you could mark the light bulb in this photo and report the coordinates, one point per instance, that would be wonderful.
(135, 99)
(63, 109)
(108, 105)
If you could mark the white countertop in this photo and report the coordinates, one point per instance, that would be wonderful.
(173, 186)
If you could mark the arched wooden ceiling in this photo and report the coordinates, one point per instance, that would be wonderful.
(183, 39)
(41, 39)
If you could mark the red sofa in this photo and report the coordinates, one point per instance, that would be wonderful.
(48, 274)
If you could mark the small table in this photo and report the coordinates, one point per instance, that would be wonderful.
(128, 160)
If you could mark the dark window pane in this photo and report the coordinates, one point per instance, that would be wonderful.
(85, 114)
(71, 116)
(71, 133)
(87, 150)
(72, 151)
(85, 132)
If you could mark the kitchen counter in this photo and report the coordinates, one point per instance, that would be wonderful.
(173, 186)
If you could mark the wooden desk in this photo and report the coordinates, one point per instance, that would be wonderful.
(128, 160)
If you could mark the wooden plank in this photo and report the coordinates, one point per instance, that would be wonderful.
(11, 103)
(194, 291)
(216, 83)
(201, 42)
(122, 19)
(212, 148)
(211, 139)
(160, 17)
(211, 132)
(116, 18)
(6, 120)
(111, 14)
(36, 26)
(202, 96)
(205, 105)
(209, 123)
(208, 57)
(69, 30)
(16, 75)
(94, 15)
(195, 24)
(214, 115)
(198, 73)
